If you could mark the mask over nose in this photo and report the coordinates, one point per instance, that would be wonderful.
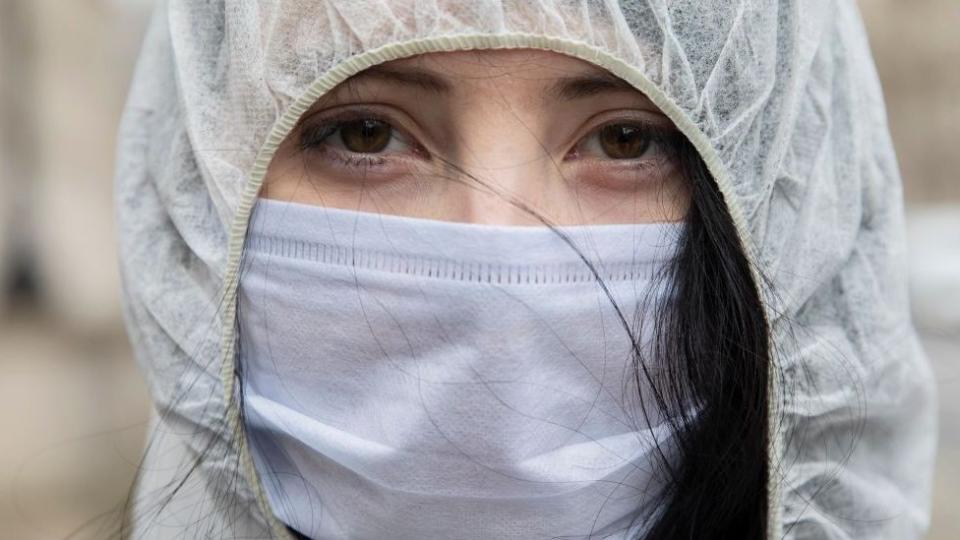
(410, 378)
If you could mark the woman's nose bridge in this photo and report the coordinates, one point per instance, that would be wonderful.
(509, 165)
(504, 192)
(503, 145)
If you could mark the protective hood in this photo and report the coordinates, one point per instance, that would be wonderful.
(780, 99)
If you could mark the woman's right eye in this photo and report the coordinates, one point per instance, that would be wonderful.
(358, 136)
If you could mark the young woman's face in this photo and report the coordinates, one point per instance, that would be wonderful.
(492, 137)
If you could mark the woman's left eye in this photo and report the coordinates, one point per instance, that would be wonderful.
(622, 141)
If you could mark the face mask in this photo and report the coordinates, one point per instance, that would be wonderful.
(410, 378)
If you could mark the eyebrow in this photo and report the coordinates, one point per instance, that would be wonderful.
(571, 88)
(418, 78)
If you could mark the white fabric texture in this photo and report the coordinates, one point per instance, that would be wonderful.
(782, 100)
(460, 391)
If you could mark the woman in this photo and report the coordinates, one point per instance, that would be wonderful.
(483, 270)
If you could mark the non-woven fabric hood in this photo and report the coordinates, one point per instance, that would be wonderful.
(780, 98)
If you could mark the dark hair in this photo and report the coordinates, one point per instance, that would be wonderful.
(712, 342)
(712, 356)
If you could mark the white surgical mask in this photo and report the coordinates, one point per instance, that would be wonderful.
(416, 379)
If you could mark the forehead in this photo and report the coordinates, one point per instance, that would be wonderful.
(515, 63)
(544, 74)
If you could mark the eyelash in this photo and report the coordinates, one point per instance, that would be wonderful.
(312, 139)
(667, 140)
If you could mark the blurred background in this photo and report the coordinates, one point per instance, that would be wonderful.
(73, 406)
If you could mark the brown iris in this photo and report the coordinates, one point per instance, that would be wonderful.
(366, 136)
(624, 141)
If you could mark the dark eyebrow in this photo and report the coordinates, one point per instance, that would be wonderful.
(570, 88)
(418, 78)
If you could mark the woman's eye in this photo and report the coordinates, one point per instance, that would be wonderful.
(624, 141)
(367, 136)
